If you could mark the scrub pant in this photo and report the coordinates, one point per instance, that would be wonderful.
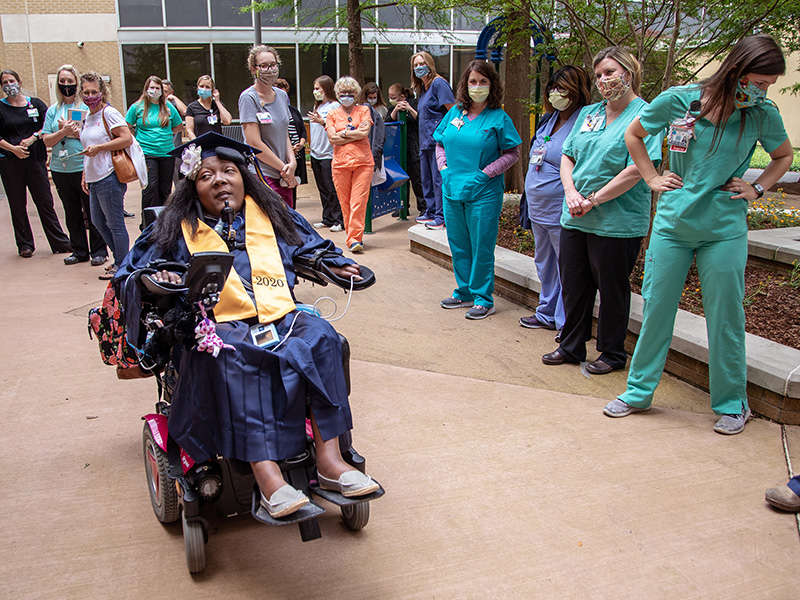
(77, 213)
(590, 263)
(721, 268)
(17, 175)
(331, 211)
(106, 200)
(472, 226)
(159, 181)
(547, 239)
(285, 193)
(431, 185)
(352, 187)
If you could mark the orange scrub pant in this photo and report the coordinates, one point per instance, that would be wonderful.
(352, 185)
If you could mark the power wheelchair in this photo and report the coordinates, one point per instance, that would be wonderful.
(181, 489)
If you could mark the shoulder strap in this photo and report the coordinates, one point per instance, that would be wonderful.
(105, 123)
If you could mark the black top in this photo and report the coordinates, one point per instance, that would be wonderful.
(201, 115)
(20, 122)
(297, 131)
(412, 128)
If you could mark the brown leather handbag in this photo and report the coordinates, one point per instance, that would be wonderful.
(123, 165)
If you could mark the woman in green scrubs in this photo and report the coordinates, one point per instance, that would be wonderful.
(476, 143)
(702, 214)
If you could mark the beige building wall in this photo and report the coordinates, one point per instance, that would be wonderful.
(38, 36)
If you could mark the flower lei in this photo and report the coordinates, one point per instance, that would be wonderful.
(190, 161)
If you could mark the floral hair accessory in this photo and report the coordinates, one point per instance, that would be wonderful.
(190, 161)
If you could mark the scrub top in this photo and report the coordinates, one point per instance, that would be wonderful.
(430, 108)
(471, 148)
(543, 188)
(353, 154)
(156, 140)
(700, 210)
(65, 158)
(600, 154)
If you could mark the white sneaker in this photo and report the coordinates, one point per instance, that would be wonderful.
(337, 228)
(319, 225)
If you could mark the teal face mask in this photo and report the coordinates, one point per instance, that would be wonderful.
(204, 92)
(748, 94)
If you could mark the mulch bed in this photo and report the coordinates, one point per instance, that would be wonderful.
(772, 304)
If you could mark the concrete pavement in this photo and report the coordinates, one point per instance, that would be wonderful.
(503, 477)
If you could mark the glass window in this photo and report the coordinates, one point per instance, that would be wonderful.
(225, 13)
(139, 62)
(186, 64)
(183, 13)
(319, 12)
(288, 67)
(462, 56)
(468, 20)
(277, 17)
(397, 17)
(315, 60)
(140, 13)
(231, 74)
(441, 57)
(369, 62)
(439, 19)
(395, 67)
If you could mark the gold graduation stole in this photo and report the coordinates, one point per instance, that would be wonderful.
(273, 297)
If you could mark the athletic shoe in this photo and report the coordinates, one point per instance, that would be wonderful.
(784, 498)
(479, 312)
(424, 219)
(319, 225)
(356, 247)
(452, 302)
(618, 408)
(732, 424)
(533, 322)
(434, 225)
(337, 228)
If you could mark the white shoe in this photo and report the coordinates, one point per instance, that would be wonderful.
(285, 501)
(337, 228)
(319, 225)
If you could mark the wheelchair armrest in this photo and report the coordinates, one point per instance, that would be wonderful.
(314, 269)
(144, 278)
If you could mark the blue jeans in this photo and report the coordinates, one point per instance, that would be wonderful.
(105, 201)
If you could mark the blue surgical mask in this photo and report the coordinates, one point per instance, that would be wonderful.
(346, 100)
(748, 94)
(421, 71)
(204, 92)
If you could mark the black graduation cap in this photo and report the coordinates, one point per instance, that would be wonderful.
(212, 143)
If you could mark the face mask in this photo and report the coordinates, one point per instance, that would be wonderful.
(372, 101)
(319, 95)
(747, 94)
(268, 77)
(479, 93)
(392, 101)
(93, 101)
(346, 100)
(154, 94)
(559, 100)
(204, 92)
(613, 87)
(67, 89)
(11, 89)
(421, 71)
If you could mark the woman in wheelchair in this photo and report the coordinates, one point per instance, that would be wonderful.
(249, 402)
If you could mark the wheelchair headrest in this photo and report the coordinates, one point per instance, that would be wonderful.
(150, 214)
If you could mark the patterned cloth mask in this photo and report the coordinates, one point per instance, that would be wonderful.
(11, 89)
(613, 87)
(748, 94)
(319, 95)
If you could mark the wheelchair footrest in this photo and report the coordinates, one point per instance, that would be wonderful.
(309, 511)
(339, 500)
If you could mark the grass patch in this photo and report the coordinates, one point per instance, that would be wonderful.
(761, 159)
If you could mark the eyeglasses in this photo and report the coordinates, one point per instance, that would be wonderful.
(270, 67)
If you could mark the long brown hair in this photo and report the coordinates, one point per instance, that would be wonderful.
(495, 99)
(163, 111)
(758, 54)
(326, 83)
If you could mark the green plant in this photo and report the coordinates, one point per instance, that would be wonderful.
(793, 278)
(759, 290)
(761, 159)
(772, 213)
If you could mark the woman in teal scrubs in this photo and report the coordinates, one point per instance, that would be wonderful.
(713, 129)
(476, 143)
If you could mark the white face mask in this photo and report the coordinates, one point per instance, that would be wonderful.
(372, 101)
(346, 100)
(479, 93)
(559, 100)
(319, 95)
(154, 94)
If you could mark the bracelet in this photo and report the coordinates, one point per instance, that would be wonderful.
(591, 199)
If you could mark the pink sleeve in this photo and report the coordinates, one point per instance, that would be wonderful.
(501, 165)
(441, 157)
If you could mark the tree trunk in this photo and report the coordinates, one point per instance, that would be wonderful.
(518, 92)
(356, 50)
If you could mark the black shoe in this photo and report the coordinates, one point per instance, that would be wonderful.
(26, 252)
(99, 260)
(74, 260)
(600, 367)
(127, 215)
(556, 357)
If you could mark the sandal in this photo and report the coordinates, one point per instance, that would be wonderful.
(109, 274)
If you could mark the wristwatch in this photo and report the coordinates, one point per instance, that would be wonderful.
(759, 190)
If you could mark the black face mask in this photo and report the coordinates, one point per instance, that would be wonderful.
(67, 89)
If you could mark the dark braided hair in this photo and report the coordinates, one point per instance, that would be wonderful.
(184, 204)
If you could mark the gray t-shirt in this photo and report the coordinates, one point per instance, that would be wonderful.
(273, 120)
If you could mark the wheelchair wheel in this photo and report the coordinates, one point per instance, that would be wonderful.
(163, 494)
(195, 545)
(356, 516)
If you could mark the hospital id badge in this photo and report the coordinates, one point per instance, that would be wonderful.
(537, 156)
(265, 118)
(264, 335)
(679, 136)
(33, 113)
(63, 154)
(593, 122)
(212, 119)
